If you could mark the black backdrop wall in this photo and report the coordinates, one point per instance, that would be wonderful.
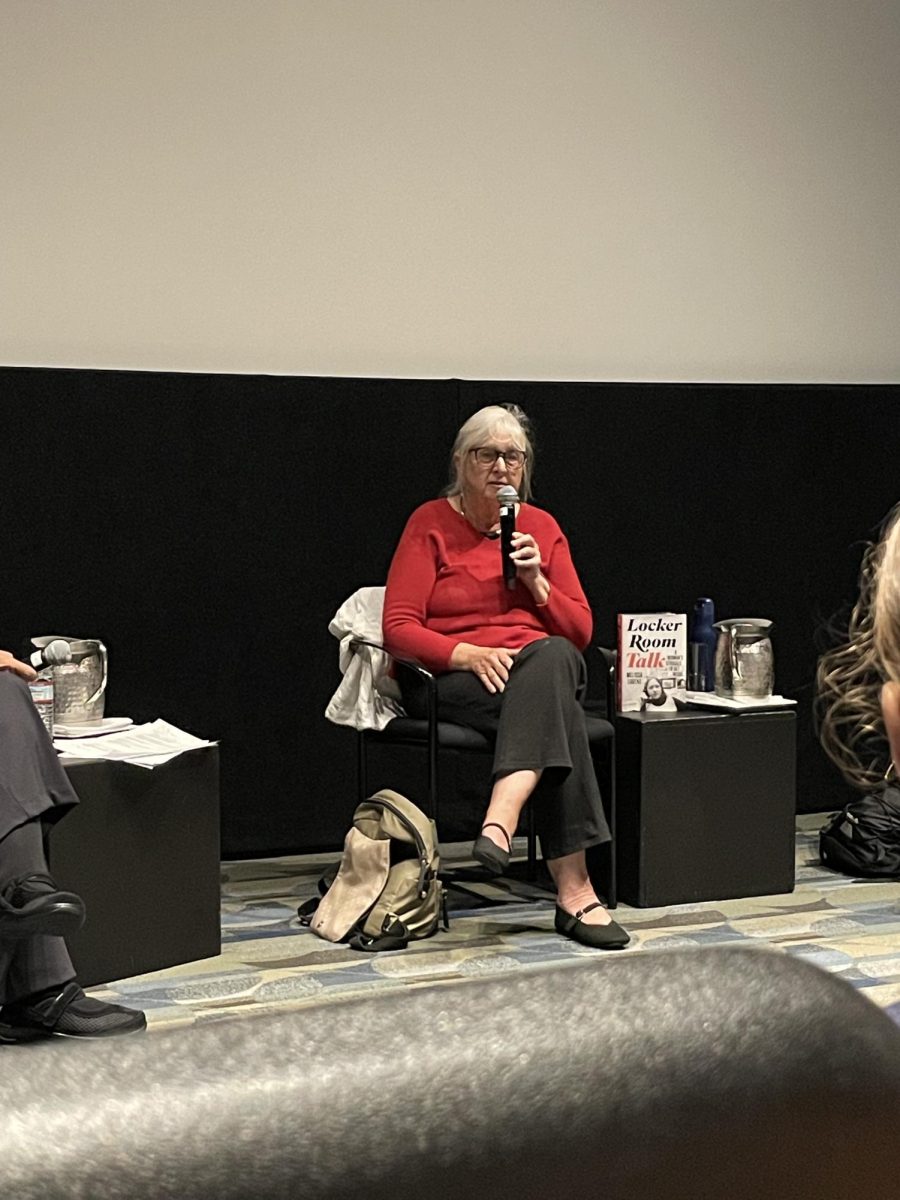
(206, 527)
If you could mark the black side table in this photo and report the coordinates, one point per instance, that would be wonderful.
(142, 849)
(706, 805)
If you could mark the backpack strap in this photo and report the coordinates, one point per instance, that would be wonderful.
(389, 801)
(394, 936)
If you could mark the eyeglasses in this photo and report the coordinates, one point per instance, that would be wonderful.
(486, 456)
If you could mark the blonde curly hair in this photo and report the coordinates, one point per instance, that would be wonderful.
(849, 677)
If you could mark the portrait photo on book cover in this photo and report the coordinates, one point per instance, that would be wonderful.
(658, 695)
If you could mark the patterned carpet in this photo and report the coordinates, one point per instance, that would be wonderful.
(269, 963)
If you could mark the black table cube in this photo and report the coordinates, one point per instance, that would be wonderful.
(706, 805)
(142, 849)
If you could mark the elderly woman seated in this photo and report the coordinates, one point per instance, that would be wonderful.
(507, 653)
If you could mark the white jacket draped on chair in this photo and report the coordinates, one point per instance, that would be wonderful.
(367, 697)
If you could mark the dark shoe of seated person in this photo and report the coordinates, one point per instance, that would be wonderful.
(33, 904)
(488, 853)
(65, 1011)
(598, 937)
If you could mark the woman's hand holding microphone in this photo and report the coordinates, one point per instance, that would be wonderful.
(526, 554)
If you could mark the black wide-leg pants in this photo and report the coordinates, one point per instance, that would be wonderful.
(538, 723)
(34, 792)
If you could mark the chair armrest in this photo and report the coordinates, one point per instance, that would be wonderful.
(410, 663)
(423, 673)
(610, 659)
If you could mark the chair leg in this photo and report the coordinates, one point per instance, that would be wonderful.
(602, 859)
(432, 783)
(432, 751)
(531, 833)
(611, 792)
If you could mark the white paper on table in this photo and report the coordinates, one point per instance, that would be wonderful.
(147, 745)
(729, 703)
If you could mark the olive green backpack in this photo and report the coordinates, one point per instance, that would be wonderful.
(386, 892)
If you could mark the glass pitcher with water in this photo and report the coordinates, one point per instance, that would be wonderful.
(744, 664)
(79, 686)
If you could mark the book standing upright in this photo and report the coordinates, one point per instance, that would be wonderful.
(652, 661)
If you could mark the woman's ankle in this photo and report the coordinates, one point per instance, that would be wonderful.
(574, 900)
(498, 833)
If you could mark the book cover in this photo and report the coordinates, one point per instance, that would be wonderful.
(652, 661)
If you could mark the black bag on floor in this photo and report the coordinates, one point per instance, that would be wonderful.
(864, 837)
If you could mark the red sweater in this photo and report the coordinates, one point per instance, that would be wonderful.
(446, 586)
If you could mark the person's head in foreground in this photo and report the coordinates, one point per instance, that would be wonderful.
(859, 680)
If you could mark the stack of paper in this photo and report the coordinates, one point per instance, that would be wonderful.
(74, 729)
(144, 745)
(744, 704)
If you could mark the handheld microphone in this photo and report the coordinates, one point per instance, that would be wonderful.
(52, 655)
(507, 499)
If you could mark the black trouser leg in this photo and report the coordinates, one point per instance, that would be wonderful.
(542, 728)
(36, 963)
(32, 782)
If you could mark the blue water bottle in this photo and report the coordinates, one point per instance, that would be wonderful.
(702, 647)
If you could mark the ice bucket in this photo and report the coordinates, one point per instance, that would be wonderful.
(79, 686)
(744, 666)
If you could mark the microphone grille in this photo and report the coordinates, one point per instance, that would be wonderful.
(57, 652)
(507, 495)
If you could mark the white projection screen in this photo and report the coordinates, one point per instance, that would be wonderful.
(699, 190)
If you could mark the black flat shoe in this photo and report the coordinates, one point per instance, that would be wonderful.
(598, 937)
(32, 904)
(67, 1013)
(488, 853)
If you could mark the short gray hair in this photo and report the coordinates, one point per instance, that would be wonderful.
(497, 420)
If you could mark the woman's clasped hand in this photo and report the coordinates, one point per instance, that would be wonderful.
(491, 664)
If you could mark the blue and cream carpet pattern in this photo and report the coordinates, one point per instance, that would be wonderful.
(269, 963)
